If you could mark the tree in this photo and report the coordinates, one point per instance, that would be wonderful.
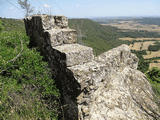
(26, 6)
(1, 27)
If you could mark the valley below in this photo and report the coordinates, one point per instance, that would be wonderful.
(149, 45)
(30, 82)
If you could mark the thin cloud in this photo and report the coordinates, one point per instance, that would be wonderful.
(47, 6)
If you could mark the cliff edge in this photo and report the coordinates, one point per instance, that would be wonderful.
(106, 87)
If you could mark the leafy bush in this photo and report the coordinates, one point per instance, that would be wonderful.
(143, 64)
(27, 88)
(1, 26)
(154, 78)
(12, 25)
(154, 47)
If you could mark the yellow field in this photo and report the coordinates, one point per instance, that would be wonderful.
(151, 65)
(141, 45)
(132, 25)
(158, 61)
(147, 44)
(152, 55)
(138, 39)
(136, 46)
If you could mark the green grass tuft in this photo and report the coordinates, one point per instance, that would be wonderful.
(27, 88)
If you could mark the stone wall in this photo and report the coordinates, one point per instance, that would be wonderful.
(106, 87)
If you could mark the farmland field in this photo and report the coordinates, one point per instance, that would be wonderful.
(147, 47)
(133, 25)
(152, 55)
(139, 39)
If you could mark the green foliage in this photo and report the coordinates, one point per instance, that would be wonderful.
(102, 38)
(149, 21)
(144, 20)
(28, 91)
(154, 78)
(12, 25)
(154, 47)
(154, 74)
(1, 27)
(27, 88)
(143, 64)
(139, 33)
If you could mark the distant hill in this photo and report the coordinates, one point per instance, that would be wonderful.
(142, 20)
(90, 33)
(149, 21)
(102, 38)
(12, 24)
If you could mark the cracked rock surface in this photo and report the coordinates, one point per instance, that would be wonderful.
(106, 87)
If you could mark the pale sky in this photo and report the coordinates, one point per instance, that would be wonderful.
(84, 8)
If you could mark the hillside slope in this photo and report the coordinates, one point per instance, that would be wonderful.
(102, 38)
(27, 88)
(94, 35)
(106, 87)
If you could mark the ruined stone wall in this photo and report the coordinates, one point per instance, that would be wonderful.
(106, 87)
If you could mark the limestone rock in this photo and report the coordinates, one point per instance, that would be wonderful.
(62, 36)
(118, 98)
(53, 30)
(48, 22)
(106, 87)
(61, 21)
(114, 89)
(75, 54)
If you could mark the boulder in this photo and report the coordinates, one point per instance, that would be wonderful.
(106, 87)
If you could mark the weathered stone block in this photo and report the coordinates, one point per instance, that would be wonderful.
(48, 21)
(53, 29)
(61, 21)
(62, 36)
(119, 57)
(76, 54)
(107, 87)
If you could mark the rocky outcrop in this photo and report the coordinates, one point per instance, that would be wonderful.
(106, 87)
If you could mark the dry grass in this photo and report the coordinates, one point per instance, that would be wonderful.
(151, 65)
(132, 25)
(141, 45)
(136, 46)
(148, 52)
(152, 55)
(138, 39)
(147, 44)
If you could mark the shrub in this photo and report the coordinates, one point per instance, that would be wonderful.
(1, 26)
(27, 88)
(143, 64)
(154, 47)
(153, 76)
